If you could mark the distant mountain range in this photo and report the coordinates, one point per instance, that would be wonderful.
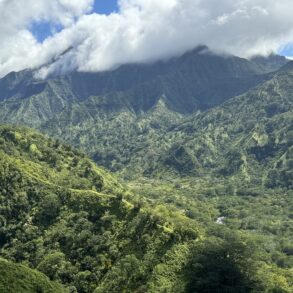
(179, 116)
(197, 80)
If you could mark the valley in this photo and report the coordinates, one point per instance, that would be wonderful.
(174, 176)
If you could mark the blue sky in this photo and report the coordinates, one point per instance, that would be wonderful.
(105, 6)
(287, 50)
(44, 29)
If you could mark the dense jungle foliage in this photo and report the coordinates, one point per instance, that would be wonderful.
(200, 198)
(19, 278)
(97, 236)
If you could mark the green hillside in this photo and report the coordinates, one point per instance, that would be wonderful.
(72, 221)
(67, 218)
(19, 278)
(246, 140)
(201, 195)
(169, 119)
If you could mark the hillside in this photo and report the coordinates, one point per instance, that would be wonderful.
(119, 115)
(201, 147)
(72, 221)
(18, 278)
(270, 63)
(138, 119)
(146, 146)
(67, 218)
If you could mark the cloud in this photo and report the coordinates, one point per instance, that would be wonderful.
(142, 30)
(19, 49)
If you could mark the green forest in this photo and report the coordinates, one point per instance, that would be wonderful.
(65, 218)
(171, 177)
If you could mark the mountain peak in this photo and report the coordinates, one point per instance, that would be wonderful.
(198, 50)
(270, 63)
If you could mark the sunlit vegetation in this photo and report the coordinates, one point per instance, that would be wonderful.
(200, 198)
(100, 237)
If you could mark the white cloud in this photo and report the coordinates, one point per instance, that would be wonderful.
(143, 30)
(19, 49)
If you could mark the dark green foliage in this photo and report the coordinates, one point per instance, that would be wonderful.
(263, 216)
(219, 266)
(202, 78)
(18, 278)
(231, 264)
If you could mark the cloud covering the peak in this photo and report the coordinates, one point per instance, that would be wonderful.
(142, 30)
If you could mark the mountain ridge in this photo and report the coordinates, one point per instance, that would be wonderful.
(135, 129)
(149, 138)
(205, 66)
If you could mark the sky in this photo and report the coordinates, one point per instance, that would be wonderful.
(105, 6)
(59, 36)
(42, 30)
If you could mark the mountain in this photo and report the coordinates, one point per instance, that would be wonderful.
(253, 129)
(248, 137)
(89, 110)
(195, 81)
(201, 199)
(178, 117)
(271, 62)
(64, 217)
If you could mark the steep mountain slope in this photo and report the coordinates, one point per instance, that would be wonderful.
(195, 81)
(248, 137)
(136, 119)
(67, 218)
(189, 82)
(270, 63)
(123, 117)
